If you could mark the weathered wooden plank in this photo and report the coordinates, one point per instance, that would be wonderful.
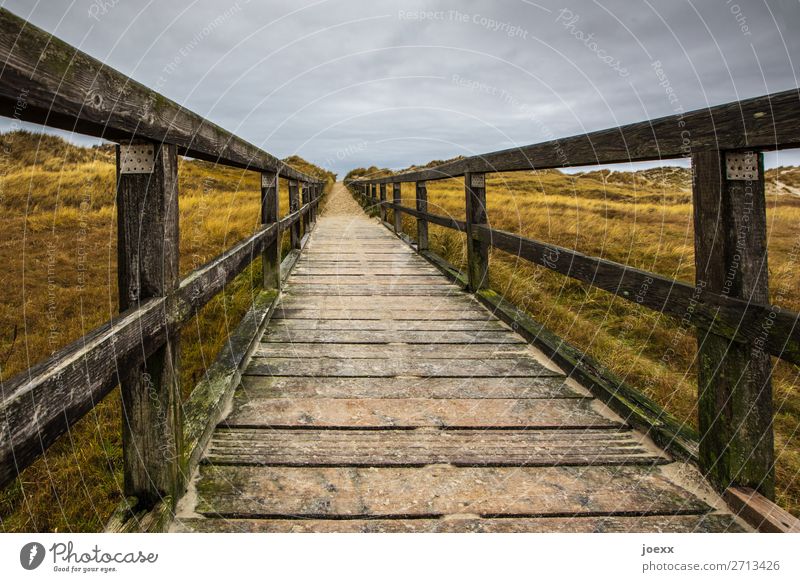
(40, 404)
(398, 215)
(460, 301)
(385, 254)
(131, 517)
(405, 448)
(422, 224)
(255, 387)
(369, 351)
(468, 314)
(374, 336)
(381, 367)
(373, 268)
(766, 122)
(288, 263)
(352, 324)
(383, 244)
(698, 305)
(204, 283)
(446, 221)
(294, 206)
(67, 89)
(704, 523)
(734, 380)
(346, 260)
(625, 400)
(303, 270)
(398, 301)
(415, 290)
(418, 412)
(477, 247)
(206, 404)
(305, 198)
(270, 210)
(147, 267)
(440, 490)
(367, 271)
(344, 281)
(381, 207)
(760, 512)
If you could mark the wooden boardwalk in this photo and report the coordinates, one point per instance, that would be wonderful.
(380, 397)
(383, 398)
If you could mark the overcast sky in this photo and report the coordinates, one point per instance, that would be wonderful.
(356, 83)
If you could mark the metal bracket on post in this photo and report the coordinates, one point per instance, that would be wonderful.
(741, 166)
(478, 180)
(268, 180)
(137, 158)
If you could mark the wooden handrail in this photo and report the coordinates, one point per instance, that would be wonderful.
(60, 86)
(737, 329)
(728, 317)
(763, 123)
(45, 80)
(40, 404)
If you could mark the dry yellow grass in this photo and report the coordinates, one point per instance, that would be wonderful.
(58, 250)
(642, 219)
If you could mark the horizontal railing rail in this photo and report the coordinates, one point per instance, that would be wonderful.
(46, 81)
(729, 317)
(737, 327)
(54, 84)
(763, 123)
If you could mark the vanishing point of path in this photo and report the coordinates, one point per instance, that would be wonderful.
(383, 398)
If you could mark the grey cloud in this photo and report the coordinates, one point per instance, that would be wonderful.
(388, 93)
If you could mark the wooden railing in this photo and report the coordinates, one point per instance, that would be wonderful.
(738, 330)
(46, 81)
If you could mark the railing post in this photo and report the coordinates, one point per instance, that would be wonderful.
(294, 206)
(382, 208)
(373, 198)
(305, 198)
(422, 224)
(315, 196)
(734, 379)
(312, 196)
(147, 267)
(271, 257)
(477, 249)
(397, 199)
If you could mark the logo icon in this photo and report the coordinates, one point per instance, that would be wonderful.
(31, 555)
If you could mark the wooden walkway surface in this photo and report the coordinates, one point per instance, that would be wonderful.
(382, 398)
